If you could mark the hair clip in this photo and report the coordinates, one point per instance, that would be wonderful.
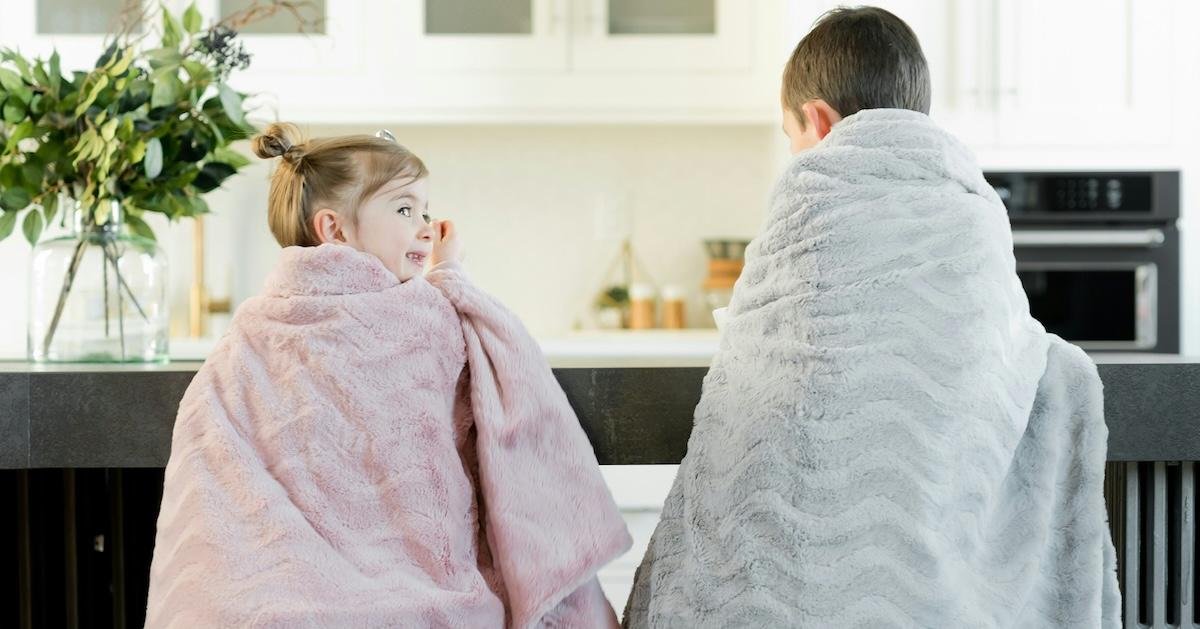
(385, 135)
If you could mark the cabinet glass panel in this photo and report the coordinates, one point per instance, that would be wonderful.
(662, 17)
(309, 17)
(473, 17)
(77, 17)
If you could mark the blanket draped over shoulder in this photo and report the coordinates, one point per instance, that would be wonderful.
(886, 436)
(360, 452)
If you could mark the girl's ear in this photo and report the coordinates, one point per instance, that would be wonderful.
(327, 226)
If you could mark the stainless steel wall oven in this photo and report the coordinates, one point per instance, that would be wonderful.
(1098, 254)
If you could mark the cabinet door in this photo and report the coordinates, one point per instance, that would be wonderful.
(1084, 72)
(498, 35)
(76, 28)
(946, 31)
(324, 37)
(949, 34)
(302, 65)
(698, 36)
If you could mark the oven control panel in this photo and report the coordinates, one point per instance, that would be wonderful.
(1085, 195)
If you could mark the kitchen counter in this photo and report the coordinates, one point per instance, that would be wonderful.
(620, 348)
(646, 348)
(121, 416)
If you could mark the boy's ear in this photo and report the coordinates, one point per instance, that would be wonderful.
(820, 116)
(327, 226)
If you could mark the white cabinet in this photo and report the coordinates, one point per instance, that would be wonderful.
(1035, 73)
(317, 60)
(283, 58)
(1083, 72)
(465, 35)
(501, 61)
(953, 38)
(1004, 72)
(523, 61)
(331, 42)
(581, 60)
(693, 36)
(574, 35)
(76, 28)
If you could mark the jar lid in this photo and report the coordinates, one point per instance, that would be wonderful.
(672, 292)
(641, 291)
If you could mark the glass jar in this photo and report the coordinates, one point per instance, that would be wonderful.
(98, 295)
(673, 308)
(641, 307)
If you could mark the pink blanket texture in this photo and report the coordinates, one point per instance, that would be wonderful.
(360, 452)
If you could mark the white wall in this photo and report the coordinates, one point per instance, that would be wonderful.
(525, 199)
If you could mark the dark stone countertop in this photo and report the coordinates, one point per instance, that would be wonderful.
(85, 416)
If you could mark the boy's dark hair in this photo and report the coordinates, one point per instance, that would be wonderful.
(858, 58)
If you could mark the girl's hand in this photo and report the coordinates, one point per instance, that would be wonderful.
(447, 246)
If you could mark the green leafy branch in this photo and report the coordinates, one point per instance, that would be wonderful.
(148, 127)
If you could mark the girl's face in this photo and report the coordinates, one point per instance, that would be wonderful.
(394, 226)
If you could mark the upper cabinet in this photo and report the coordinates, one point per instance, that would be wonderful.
(465, 35)
(693, 36)
(322, 37)
(515, 61)
(76, 28)
(580, 60)
(1004, 72)
(575, 35)
(1056, 74)
(1083, 71)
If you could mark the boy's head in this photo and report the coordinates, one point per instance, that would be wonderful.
(853, 59)
(359, 190)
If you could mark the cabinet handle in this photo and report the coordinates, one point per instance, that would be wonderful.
(971, 43)
(594, 17)
(992, 41)
(557, 16)
(1007, 38)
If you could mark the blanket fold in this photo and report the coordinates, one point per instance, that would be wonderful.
(886, 436)
(334, 464)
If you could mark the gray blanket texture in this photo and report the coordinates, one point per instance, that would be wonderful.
(886, 437)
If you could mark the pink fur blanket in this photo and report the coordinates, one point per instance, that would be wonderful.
(334, 464)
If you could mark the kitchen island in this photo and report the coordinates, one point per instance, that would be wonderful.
(101, 416)
(82, 449)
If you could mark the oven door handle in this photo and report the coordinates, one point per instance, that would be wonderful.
(1088, 237)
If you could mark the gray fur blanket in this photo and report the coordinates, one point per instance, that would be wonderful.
(886, 436)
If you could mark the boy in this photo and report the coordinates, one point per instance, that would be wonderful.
(886, 436)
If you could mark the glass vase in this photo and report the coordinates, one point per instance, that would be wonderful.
(98, 295)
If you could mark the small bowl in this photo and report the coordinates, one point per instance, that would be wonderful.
(716, 248)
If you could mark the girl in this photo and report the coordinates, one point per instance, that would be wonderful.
(370, 445)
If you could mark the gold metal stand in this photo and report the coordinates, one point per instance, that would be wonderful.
(200, 304)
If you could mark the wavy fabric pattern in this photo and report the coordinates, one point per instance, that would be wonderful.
(886, 437)
(334, 465)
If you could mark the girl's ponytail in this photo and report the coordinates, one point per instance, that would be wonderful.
(286, 211)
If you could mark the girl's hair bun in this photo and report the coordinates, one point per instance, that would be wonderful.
(281, 139)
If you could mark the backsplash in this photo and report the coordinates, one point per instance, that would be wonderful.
(536, 205)
(528, 198)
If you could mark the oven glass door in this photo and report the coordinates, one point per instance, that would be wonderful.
(1098, 306)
